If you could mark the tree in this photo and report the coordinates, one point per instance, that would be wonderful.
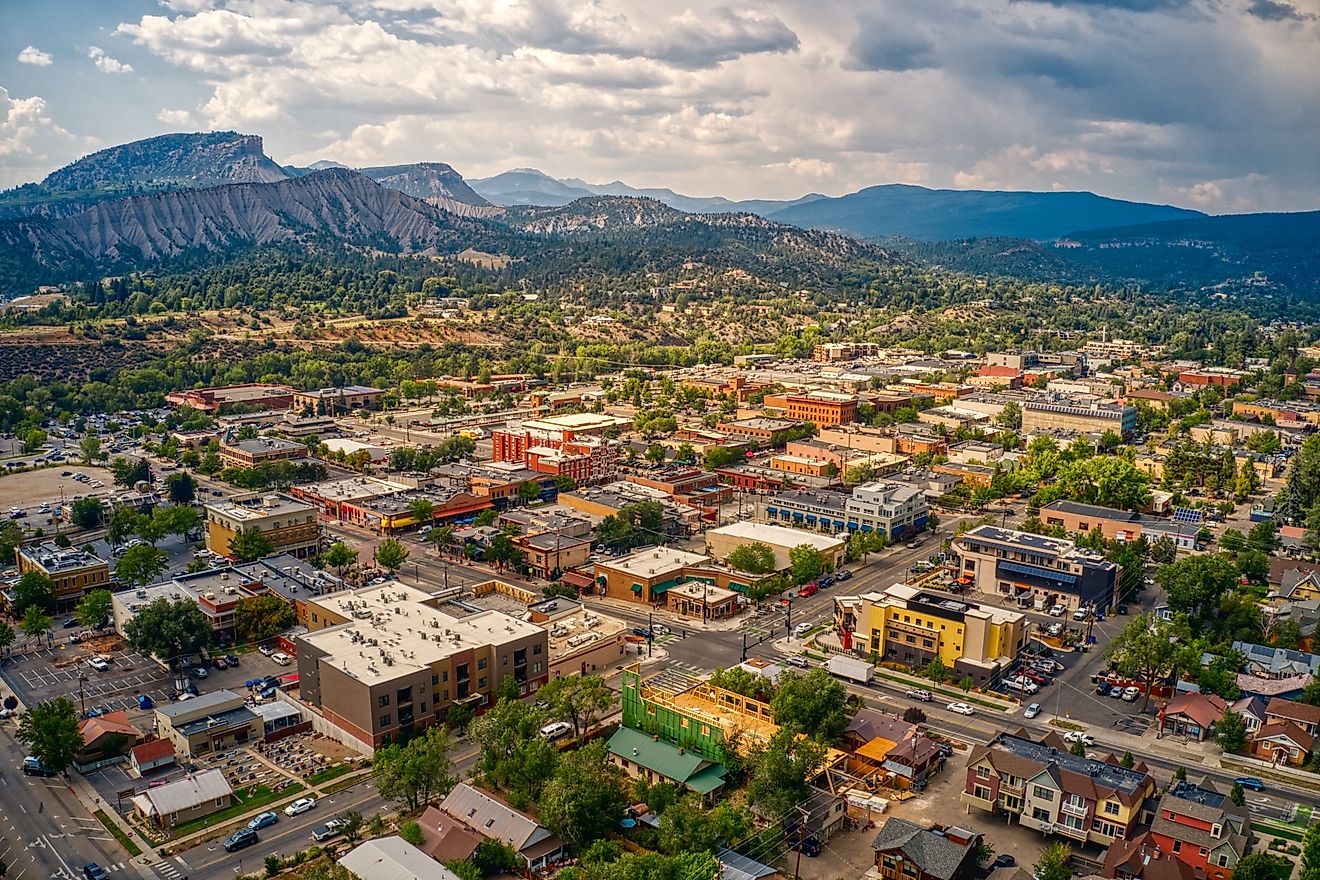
(756, 558)
(34, 589)
(94, 608)
(687, 826)
(7, 637)
(586, 797)
(169, 630)
(514, 756)
(529, 491)
(1310, 861)
(582, 699)
(780, 770)
(741, 681)
(86, 513)
(422, 510)
(442, 539)
(249, 545)
(91, 449)
(459, 716)
(1246, 482)
(914, 715)
(1148, 649)
(141, 565)
(717, 457)
(175, 519)
(501, 552)
(936, 670)
(182, 488)
(1127, 761)
(123, 523)
(391, 555)
(815, 702)
(416, 773)
(655, 454)
(1237, 795)
(1078, 748)
(36, 623)
(128, 472)
(805, 563)
(257, 618)
(1262, 866)
(350, 825)
(858, 474)
(494, 857)
(11, 536)
(1054, 863)
(50, 730)
(1194, 584)
(1163, 550)
(339, 557)
(412, 832)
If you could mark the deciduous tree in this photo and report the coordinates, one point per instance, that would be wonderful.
(168, 630)
(815, 702)
(34, 589)
(416, 773)
(756, 558)
(141, 565)
(51, 732)
(94, 608)
(391, 555)
(586, 797)
(582, 699)
(249, 545)
(260, 617)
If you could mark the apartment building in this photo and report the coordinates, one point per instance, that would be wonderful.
(258, 450)
(1117, 525)
(567, 446)
(1203, 829)
(1042, 785)
(380, 660)
(1034, 570)
(73, 571)
(904, 624)
(1063, 414)
(888, 508)
(290, 525)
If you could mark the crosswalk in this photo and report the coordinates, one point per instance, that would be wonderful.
(172, 869)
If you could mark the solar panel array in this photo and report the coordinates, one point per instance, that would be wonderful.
(1188, 515)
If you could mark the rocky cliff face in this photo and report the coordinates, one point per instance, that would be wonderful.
(202, 159)
(425, 180)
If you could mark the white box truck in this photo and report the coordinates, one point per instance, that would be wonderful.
(851, 668)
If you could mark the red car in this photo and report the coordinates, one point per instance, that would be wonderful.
(1035, 676)
(809, 590)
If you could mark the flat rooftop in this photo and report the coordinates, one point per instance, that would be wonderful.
(258, 445)
(352, 488)
(57, 560)
(259, 508)
(572, 422)
(654, 561)
(1111, 776)
(778, 535)
(394, 630)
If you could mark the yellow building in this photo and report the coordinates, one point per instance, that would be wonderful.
(288, 524)
(73, 572)
(904, 624)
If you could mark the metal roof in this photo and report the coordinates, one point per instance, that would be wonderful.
(189, 792)
(393, 858)
(492, 817)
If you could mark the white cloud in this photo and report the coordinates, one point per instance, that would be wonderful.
(175, 117)
(33, 55)
(105, 63)
(31, 143)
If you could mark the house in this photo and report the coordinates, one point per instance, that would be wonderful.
(1282, 742)
(183, 800)
(736, 866)
(1268, 662)
(493, 818)
(1252, 710)
(1192, 715)
(444, 838)
(393, 858)
(642, 756)
(106, 739)
(1303, 715)
(149, 756)
(906, 851)
(825, 812)
(870, 723)
(1140, 858)
(1201, 827)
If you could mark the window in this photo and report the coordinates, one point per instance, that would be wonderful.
(481, 663)
(981, 792)
(1040, 814)
(1111, 808)
(481, 683)
(1222, 861)
(1043, 793)
(384, 721)
(383, 701)
(536, 649)
(435, 679)
(1177, 846)
(982, 772)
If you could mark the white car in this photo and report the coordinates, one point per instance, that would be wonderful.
(556, 729)
(1080, 614)
(801, 629)
(281, 658)
(1074, 736)
(100, 664)
(1058, 611)
(300, 806)
(1131, 693)
(961, 708)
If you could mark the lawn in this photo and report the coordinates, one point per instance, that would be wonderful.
(260, 797)
(329, 773)
(124, 840)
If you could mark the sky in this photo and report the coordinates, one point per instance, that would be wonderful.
(1209, 104)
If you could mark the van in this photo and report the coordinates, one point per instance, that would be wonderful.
(281, 658)
(799, 662)
(556, 729)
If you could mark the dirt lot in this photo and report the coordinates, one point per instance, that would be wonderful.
(30, 488)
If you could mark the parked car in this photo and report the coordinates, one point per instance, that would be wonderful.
(301, 805)
(231, 659)
(100, 664)
(1131, 693)
(555, 729)
(1022, 684)
(200, 672)
(843, 575)
(70, 622)
(93, 871)
(961, 708)
(1055, 629)
(328, 830)
(1034, 677)
(219, 663)
(913, 544)
(641, 631)
(1073, 736)
(659, 629)
(808, 590)
(1058, 610)
(32, 766)
(266, 650)
(1102, 688)
(1080, 614)
(825, 582)
(808, 846)
(1032, 711)
(241, 838)
(1003, 860)
(281, 658)
(263, 820)
(1250, 782)
(799, 662)
(801, 629)
(920, 694)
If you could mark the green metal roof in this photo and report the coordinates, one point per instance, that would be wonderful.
(686, 767)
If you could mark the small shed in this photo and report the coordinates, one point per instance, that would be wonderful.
(151, 756)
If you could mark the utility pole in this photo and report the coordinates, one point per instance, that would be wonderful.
(802, 827)
(650, 633)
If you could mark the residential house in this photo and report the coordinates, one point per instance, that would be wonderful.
(1142, 859)
(181, 801)
(1048, 788)
(642, 756)
(1303, 715)
(1282, 742)
(1203, 828)
(1268, 662)
(1191, 715)
(151, 756)
(1252, 709)
(444, 838)
(736, 866)
(491, 817)
(906, 851)
(869, 724)
(825, 812)
(106, 739)
(393, 858)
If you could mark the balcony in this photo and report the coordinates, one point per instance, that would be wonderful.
(1072, 809)
(972, 800)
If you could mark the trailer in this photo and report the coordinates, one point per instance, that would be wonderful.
(851, 668)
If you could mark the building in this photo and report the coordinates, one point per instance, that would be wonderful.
(330, 497)
(106, 739)
(380, 660)
(1277, 663)
(215, 400)
(1196, 380)
(491, 817)
(1039, 416)
(764, 429)
(656, 760)
(645, 575)
(907, 625)
(889, 508)
(1192, 715)
(906, 851)
(209, 723)
(151, 756)
(582, 642)
(290, 525)
(330, 401)
(74, 572)
(722, 541)
(550, 554)
(192, 797)
(1117, 525)
(445, 838)
(1203, 829)
(1035, 571)
(257, 451)
(389, 514)
(702, 601)
(829, 352)
(818, 407)
(1042, 785)
(393, 858)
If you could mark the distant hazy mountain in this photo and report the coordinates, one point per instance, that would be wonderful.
(425, 180)
(527, 186)
(940, 214)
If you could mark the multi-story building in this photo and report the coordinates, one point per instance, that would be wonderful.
(762, 428)
(1117, 525)
(646, 574)
(1279, 413)
(329, 401)
(817, 407)
(722, 541)
(549, 554)
(288, 524)
(1034, 570)
(828, 352)
(888, 508)
(582, 642)
(1203, 829)
(381, 660)
(906, 851)
(568, 446)
(1076, 415)
(73, 571)
(258, 450)
(1195, 380)
(210, 723)
(213, 400)
(1042, 785)
(907, 625)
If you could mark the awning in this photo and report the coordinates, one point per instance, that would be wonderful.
(637, 588)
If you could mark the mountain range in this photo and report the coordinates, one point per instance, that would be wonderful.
(168, 197)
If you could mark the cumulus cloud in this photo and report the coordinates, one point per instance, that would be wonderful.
(175, 117)
(33, 55)
(1274, 10)
(105, 63)
(31, 143)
